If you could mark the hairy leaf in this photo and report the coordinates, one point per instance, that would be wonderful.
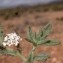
(40, 33)
(42, 57)
(42, 42)
(6, 52)
(51, 43)
(29, 33)
(34, 37)
(47, 30)
(31, 41)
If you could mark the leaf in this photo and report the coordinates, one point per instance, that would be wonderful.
(51, 43)
(47, 30)
(40, 33)
(42, 42)
(34, 37)
(1, 36)
(42, 57)
(29, 33)
(6, 52)
(30, 41)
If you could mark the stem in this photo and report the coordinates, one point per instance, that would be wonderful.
(34, 47)
(31, 55)
(21, 55)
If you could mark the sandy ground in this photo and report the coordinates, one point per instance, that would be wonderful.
(35, 20)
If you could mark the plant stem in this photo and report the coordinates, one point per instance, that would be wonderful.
(21, 55)
(31, 55)
(34, 47)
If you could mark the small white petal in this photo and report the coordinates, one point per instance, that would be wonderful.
(16, 43)
(4, 44)
(9, 44)
(5, 39)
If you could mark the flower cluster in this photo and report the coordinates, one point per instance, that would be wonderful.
(11, 39)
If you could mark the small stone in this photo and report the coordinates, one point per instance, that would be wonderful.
(54, 60)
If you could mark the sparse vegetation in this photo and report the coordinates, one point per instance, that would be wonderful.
(7, 13)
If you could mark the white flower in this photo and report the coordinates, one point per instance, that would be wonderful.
(11, 39)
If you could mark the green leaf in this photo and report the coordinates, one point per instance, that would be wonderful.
(42, 42)
(6, 52)
(1, 36)
(29, 33)
(46, 30)
(42, 57)
(40, 33)
(30, 41)
(34, 37)
(51, 43)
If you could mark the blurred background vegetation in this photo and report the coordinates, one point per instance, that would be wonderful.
(17, 11)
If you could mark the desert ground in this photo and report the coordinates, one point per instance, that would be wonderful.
(35, 20)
